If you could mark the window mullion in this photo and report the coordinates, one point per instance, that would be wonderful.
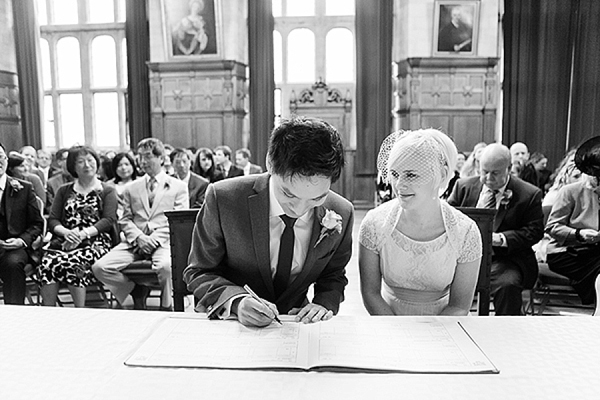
(86, 91)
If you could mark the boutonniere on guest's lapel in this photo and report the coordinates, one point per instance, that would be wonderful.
(506, 197)
(15, 185)
(331, 222)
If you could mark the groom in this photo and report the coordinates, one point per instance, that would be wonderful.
(278, 232)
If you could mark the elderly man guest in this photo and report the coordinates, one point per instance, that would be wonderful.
(21, 223)
(278, 232)
(518, 225)
(182, 163)
(145, 227)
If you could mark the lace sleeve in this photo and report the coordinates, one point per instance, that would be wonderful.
(472, 247)
(368, 233)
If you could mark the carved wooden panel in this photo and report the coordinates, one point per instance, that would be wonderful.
(198, 103)
(459, 96)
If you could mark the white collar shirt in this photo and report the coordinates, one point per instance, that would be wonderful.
(302, 232)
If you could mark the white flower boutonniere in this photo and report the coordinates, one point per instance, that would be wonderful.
(506, 197)
(331, 222)
(15, 184)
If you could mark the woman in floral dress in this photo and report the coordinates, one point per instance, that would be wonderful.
(82, 221)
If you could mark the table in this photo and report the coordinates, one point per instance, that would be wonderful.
(79, 354)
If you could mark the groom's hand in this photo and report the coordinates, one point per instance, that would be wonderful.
(311, 313)
(250, 312)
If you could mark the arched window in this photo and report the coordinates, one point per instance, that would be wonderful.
(339, 55)
(301, 56)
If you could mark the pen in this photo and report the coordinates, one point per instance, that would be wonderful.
(255, 297)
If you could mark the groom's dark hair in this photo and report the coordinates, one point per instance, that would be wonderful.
(307, 147)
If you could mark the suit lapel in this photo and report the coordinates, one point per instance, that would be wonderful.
(9, 197)
(474, 194)
(258, 205)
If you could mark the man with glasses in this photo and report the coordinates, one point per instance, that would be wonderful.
(21, 223)
(146, 228)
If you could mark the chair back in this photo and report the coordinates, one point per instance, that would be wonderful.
(181, 226)
(484, 218)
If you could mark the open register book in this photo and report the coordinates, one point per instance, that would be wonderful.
(376, 344)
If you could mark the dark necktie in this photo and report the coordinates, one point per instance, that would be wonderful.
(286, 254)
(490, 199)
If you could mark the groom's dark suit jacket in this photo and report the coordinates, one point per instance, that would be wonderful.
(230, 248)
(521, 221)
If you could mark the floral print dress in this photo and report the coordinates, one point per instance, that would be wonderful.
(74, 267)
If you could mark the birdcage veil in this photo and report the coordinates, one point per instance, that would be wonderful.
(427, 151)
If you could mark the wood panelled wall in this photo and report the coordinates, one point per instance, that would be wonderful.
(457, 95)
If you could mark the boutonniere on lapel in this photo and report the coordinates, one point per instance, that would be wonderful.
(331, 222)
(15, 185)
(506, 197)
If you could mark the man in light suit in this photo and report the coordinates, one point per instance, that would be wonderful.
(278, 232)
(182, 162)
(518, 225)
(242, 160)
(21, 223)
(145, 227)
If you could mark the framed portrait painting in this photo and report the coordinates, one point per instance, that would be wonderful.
(455, 28)
(192, 28)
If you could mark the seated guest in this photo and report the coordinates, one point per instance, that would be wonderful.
(205, 166)
(182, 161)
(145, 227)
(30, 154)
(21, 223)
(279, 233)
(81, 221)
(573, 225)
(471, 165)
(223, 162)
(44, 161)
(167, 166)
(521, 166)
(565, 174)
(125, 172)
(17, 169)
(518, 225)
(540, 163)
(417, 254)
(58, 179)
(242, 160)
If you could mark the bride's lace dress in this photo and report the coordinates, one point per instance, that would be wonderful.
(417, 275)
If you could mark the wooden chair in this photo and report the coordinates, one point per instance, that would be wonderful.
(181, 225)
(484, 218)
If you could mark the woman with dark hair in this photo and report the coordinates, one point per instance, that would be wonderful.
(17, 168)
(123, 166)
(82, 219)
(204, 165)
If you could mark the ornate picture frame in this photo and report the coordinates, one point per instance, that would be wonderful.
(192, 28)
(455, 28)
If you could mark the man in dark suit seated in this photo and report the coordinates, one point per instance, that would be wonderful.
(21, 223)
(518, 225)
(242, 160)
(278, 232)
(182, 162)
(223, 162)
